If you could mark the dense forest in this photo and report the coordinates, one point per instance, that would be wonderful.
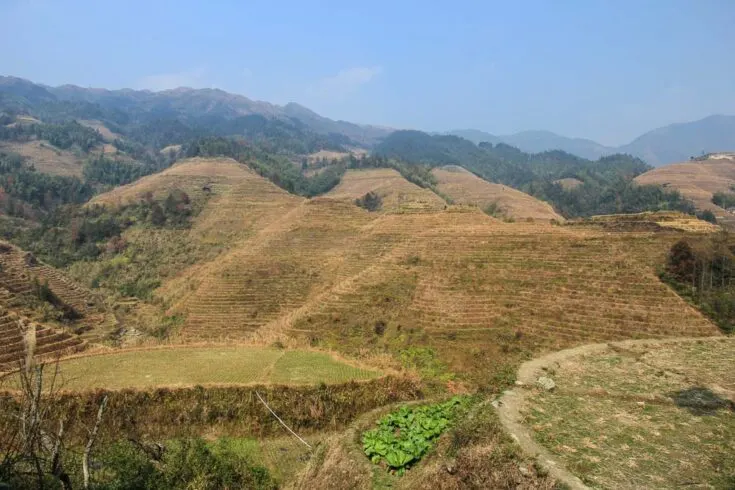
(607, 184)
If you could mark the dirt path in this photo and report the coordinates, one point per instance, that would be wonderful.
(512, 401)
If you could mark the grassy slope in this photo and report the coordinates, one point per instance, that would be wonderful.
(612, 418)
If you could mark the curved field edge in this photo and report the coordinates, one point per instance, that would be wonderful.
(512, 405)
(188, 366)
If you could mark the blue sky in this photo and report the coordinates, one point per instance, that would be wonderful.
(605, 70)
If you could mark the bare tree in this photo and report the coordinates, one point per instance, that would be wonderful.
(31, 433)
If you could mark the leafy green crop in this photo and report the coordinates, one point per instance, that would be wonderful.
(403, 437)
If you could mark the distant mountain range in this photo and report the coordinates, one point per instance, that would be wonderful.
(673, 143)
(180, 103)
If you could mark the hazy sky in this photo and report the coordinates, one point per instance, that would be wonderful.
(605, 70)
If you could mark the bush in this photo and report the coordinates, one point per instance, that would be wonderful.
(370, 201)
(708, 216)
(724, 199)
(187, 463)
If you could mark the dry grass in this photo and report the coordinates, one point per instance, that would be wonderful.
(46, 158)
(697, 180)
(569, 183)
(259, 264)
(108, 135)
(614, 422)
(329, 155)
(464, 187)
(176, 367)
(398, 194)
(665, 219)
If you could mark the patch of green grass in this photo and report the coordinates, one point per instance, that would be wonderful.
(303, 367)
(186, 366)
(283, 456)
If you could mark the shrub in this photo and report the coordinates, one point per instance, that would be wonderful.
(370, 201)
(493, 209)
(724, 199)
(708, 216)
(187, 463)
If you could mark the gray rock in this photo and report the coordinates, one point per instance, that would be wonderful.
(546, 383)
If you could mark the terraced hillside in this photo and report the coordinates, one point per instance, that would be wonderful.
(477, 289)
(236, 201)
(420, 272)
(15, 330)
(21, 271)
(464, 187)
(398, 194)
(698, 180)
(650, 221)
(454, 279)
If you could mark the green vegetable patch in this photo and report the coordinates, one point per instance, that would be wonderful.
(403, 437)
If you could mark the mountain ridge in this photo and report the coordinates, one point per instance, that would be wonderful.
(672, 143)
(668, 144)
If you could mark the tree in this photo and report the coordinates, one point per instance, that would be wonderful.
(157, 216)
(708, 216)
(31, 436)
(681, 262)
(370, 201)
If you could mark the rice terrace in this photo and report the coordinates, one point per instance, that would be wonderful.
(203, 291)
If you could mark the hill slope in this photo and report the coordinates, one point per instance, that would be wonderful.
(464, 187)
(326, 272)
(698, 180)
(397, 194)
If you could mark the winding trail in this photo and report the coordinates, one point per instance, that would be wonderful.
(512, 401)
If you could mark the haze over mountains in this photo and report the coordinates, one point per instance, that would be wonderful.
(672, 143)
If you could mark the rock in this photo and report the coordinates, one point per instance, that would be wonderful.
(520, 383)
(546, 383)
(524, 471)
(496, 403)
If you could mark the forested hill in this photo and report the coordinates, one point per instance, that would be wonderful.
(173, 116)
(606, 184)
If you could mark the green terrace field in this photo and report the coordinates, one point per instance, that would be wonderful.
(188, 366)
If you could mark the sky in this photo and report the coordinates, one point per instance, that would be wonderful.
(608, 70)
